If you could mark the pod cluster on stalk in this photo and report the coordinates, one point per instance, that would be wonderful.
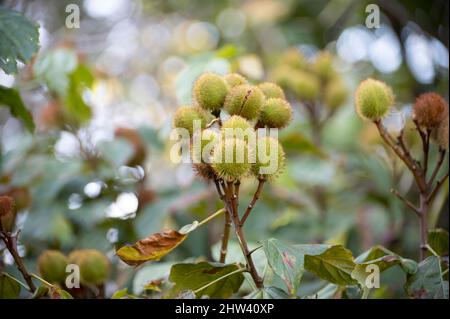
(224, 107)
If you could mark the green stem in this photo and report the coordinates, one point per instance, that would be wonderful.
(42, 280)
(210, 217)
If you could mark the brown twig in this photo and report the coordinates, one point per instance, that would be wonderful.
(11, 244)
(436, 189)
(406, 202)
(255, 198)
(442, 153)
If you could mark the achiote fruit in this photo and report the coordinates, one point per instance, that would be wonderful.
(373, 99)
(270, 158)
(230, 159)
(52, 266)
(275, 113)
(234, 79)
(186, 115)
(210, 91)
(429, 110)
(94, 266)
(244, 100)
(271, 90)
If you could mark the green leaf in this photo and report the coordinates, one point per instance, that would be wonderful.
(53, 68)
(19, 39)
(79, 80)
(152, 247)
(119, 294)
(333, 263)
(438, 241)
(9, 288)
(383, 259)
(11, 98)
(428, 282)
(204, 274)
(286, 262)
(40, 292)
(269, 292)
(58, 293)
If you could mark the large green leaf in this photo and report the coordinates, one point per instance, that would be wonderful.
(428, 282)
(333, 263)
(269, 292)
(19, 39)
(286, 261)
(438, 241)
(11, 98)
(9, 288)
(195, 276)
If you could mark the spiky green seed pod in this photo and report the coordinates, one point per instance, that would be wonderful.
(237, 126)
(235, 79)
(442, 134)
(305, 85)
(373, 99)
(429, 110)
(244, 100)
(323, 66)
(210, 91)
(271, 157)
(275, 113)
(185, 116)
(231, 160)
(94, 266)
(336, 94)
(294, 59)
(271, 90)
(52, 266)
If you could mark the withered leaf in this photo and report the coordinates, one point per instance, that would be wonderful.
(152, 247)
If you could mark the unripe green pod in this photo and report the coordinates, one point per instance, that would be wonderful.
(271, 90)
(294, 59)
(185, 116)
(210, 91)
(236, 122)
(235, 79)
(373, 99)
(305, 85)
(94, 266)
(336, 94)
(52, 266)
(231, 160)
(244, 100)
(429, 110)
(323, 66)
(275, 113)
(273, 159)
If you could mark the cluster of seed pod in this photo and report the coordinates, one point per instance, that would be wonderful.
(311, 80)
(231, 103)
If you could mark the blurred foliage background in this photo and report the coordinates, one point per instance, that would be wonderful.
(97, 173)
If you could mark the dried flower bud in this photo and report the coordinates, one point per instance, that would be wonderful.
(271, 90)
(94, 266)
(373, 99)
(244, 100)
(52, 266)
(272, 159)
(230, 159)
(6, 205)
(210, 91)
(204, 170)
(429, 110)
(235, 79)
(275, 113)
